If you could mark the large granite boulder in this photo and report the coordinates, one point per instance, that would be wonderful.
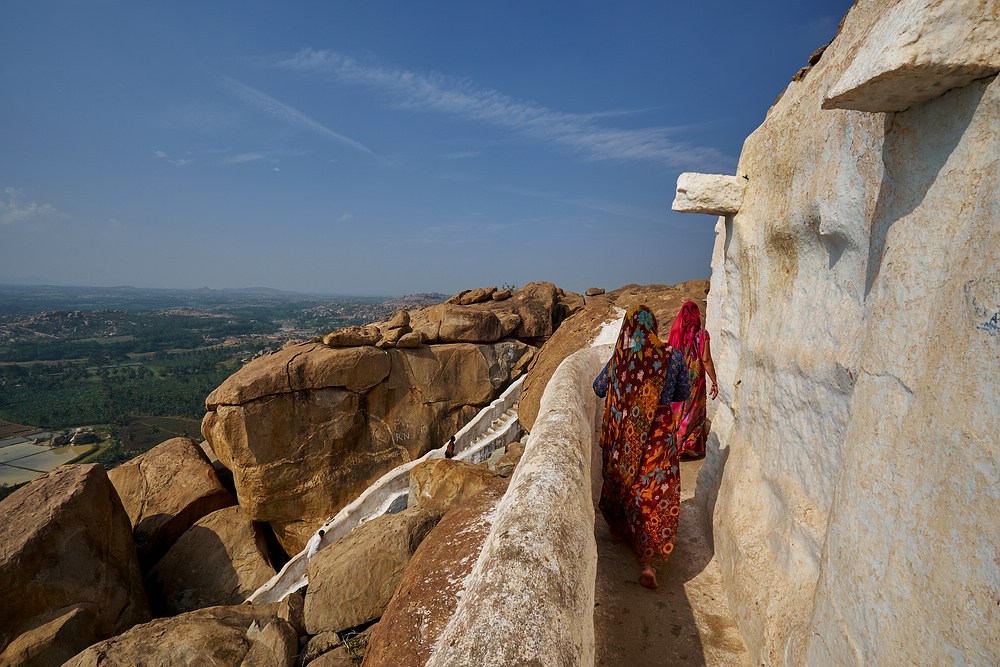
(440, 484)
(53, 638)
(579, 330)
(220, 560)
(164, 492)
(432, 583)
(305, 430)
(277, 645)
(451, 323)
(530, 315)
(212, 636)
(352, 337)
(68, 570)
(352, 580)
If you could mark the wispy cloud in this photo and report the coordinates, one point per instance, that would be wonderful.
(243, 157)
(433, 91)
(267, 104)
(177, 162)
(612, 208)
(461, 155)
(14, 209)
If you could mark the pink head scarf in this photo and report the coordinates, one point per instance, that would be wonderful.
(686, 326)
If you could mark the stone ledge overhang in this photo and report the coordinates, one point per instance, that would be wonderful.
(713, 194)
(917, 51)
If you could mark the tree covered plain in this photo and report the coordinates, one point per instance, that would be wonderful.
(117, 357)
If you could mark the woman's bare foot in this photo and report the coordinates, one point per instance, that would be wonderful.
(648, 577)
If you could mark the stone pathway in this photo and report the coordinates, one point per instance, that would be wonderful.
(686, 621)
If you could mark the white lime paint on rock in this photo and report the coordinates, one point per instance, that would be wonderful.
(714, 194)
(529, 599)
(918, 50)
(855, 315)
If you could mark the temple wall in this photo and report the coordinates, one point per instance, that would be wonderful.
(855, 313)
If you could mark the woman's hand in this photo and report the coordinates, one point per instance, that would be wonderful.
(714, 391)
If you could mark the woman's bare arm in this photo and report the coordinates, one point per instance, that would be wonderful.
(706, 358)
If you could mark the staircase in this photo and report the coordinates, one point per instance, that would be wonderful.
(494, 427)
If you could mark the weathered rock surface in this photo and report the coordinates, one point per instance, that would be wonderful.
(531, 314)
(477, 295)
(319, 644)
(507, 464)
(714, 194)
(68, 571)
(854, 315)
(338, 657)
(439, 484)
(212, 636)
(502, 295)
(301, 450)
(53, 638)
(457, 324)
(276, 645)
(393, 335)
(302, 367)
(220, 560)
(410, 340)
(352, 336)
(594, 291)
(400, 319)
(352, 580)
(579, 330)
(917, 50)
(429, 590)
(164, 492)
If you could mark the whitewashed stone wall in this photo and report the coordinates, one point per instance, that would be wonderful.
(855, 313)
(529, 599)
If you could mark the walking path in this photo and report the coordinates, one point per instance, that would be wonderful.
(686, 620)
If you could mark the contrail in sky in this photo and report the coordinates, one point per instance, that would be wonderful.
(269, 105)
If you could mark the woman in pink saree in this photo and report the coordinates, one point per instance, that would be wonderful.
(688, 336)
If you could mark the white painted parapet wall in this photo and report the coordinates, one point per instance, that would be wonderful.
(529, 599)
(474, 443)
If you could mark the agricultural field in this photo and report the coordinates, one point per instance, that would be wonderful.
(137, 364)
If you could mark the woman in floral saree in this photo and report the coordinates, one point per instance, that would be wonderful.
(688, 336)
(640, 498)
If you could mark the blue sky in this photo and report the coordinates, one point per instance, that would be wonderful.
(377, 147)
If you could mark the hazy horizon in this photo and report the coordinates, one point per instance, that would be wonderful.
(365, 149)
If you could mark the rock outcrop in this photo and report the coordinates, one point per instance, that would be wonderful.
(212, 636)
(68, 570)
(854, 310)
(220, 560)
(439, 484)
(306, 429)
(164, 492)
(507, 463)
(352, 580)
(432, 583)
(579, 330)
(277, 645)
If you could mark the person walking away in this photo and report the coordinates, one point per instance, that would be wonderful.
(640, 496)
(688, 336)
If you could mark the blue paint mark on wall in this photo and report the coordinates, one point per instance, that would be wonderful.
(982, 299)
